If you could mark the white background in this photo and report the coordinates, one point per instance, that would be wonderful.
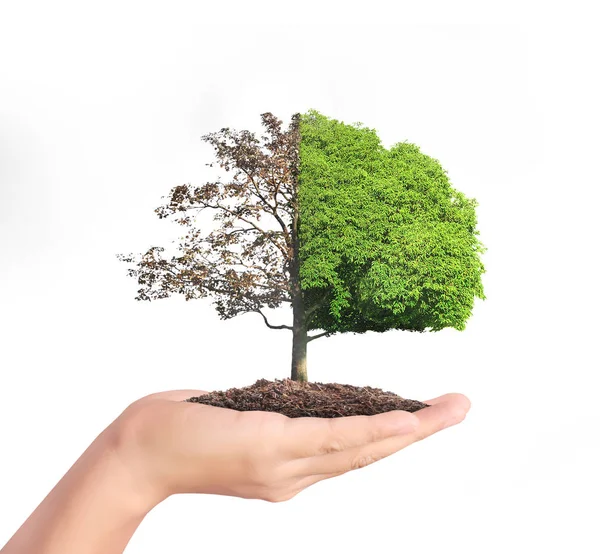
(102, 106)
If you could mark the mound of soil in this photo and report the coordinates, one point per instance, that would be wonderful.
(295, 399)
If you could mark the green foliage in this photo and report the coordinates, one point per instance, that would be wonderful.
(382, 233)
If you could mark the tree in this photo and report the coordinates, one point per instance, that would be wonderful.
(321, 216)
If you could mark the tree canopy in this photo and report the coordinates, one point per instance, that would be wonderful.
(355, 237)
(382, 233)
(245, 263)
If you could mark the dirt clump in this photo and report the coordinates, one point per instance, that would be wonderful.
(296, 399)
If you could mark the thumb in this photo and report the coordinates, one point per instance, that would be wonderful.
(176, 395)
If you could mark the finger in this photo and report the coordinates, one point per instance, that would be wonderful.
(452, 396)
(306, 437)
(450, 410)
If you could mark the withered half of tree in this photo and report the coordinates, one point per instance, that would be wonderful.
(244, 263)
(295, 399)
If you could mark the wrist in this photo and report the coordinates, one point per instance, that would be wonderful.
(122, 440)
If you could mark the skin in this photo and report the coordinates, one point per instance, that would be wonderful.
(160, 446)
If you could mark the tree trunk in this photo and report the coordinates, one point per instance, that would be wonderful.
(300, 342)
(300, 328)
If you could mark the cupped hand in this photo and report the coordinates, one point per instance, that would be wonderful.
(176, 447)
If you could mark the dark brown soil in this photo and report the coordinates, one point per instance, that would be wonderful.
(295, 399)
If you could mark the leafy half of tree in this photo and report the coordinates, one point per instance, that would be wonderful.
(383, 233)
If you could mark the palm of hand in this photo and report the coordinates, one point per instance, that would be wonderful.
(181, 447)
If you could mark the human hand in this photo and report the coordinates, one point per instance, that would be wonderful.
(176, 447)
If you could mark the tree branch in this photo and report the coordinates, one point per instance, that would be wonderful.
(273, 326)
(325, 334)
(225, 209)
(273, 209)
(270, 276)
